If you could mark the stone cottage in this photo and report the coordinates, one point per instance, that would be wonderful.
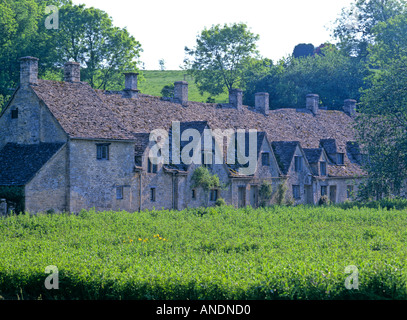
(65, 147)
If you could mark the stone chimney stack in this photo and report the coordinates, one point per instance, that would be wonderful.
(130, 90)
(181, 92)
(312, 103)
(28, 70)
(349, 107)
(72, 72)
(236, 98)
(262, 102)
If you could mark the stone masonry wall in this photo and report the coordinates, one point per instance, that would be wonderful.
(47, 190)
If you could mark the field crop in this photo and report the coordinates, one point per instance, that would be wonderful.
(215, 253)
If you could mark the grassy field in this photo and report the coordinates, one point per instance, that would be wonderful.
(155, 80)
(216, 253)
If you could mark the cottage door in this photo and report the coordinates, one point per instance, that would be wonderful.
(309, 195)
(242, 197)
(254, 196)
(332, 194)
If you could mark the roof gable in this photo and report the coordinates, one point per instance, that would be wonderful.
(19, 163)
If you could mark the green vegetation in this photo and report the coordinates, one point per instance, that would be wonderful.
(156, 80)
(214, 253)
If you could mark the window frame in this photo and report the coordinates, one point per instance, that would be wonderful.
(193, 194)
(119, 195)
(265, 156)
(298, 163)
(340, 160)
(214, 195)
(324, 165)
(153, 194)
(14, 114)
(100, 147)
(296, 195)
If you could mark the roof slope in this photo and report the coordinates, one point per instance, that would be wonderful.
(88, 113)
(284, 152)
(19, 163)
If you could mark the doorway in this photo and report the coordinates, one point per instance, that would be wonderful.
(332, 194)
(242, 197)
(254, 196)
(309, 195)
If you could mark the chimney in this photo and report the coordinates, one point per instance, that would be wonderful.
(262, 102)
(28, 70)
(312, 103)
(130, 90)
(72, 72)
(181, 92)
(236, 98)
(349, 107)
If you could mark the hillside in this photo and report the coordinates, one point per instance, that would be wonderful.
(155, 80)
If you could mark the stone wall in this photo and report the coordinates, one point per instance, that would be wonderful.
(34, 124)
(93, 182)
(48, 189)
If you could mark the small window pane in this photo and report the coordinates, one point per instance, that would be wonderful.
(14, 114)
(298, 163)
(265, 159)
(341, 158)
(296, 192)
(323, 168)
(153, 194)
(119, 193)
(193, 194)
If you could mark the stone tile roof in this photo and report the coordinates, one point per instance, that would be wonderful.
(313, 155)
(284, 152)
(88, 113)
(19, 163)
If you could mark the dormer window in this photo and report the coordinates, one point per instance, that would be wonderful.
(341, 159)
(265, 159)
(323, 168)
(298, 163)
(14, 113)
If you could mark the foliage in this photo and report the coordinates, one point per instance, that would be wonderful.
(383, 119)
(324, 201)
(228, 254)
(332, 75)
(303, 50)
(161, 62)
(220, 202)
(15, 195)
(219, 56)
(168, 90)
(280, 197)
(354, 28)
(204, 179)
(265, 193)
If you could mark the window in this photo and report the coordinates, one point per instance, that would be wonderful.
(119, 193)
(138, 160)
(152, 168)
(296, 192)
(102, 151)
(153, 194)
(341, 158)
(298, 163)
(193, 194)
(14, 113)
(323, 168)
(324, 191)
(350, 192)
(213, 195)
(265, 159)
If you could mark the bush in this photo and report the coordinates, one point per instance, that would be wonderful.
(220, 202)
(168, 91)
(324, 201)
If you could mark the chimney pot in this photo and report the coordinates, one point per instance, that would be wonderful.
(349, 107)
(72, 72)
(28, 70)
(130, 90)
(181, 92)
(262, 102)
(312, 103)
(236, 98)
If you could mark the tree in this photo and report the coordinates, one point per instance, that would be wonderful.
(218, 59)
(303, 50)
(161, 62)
(354, 28)
(383, 121)
(87, 36)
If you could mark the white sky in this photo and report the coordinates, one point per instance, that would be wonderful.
(165, 27)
